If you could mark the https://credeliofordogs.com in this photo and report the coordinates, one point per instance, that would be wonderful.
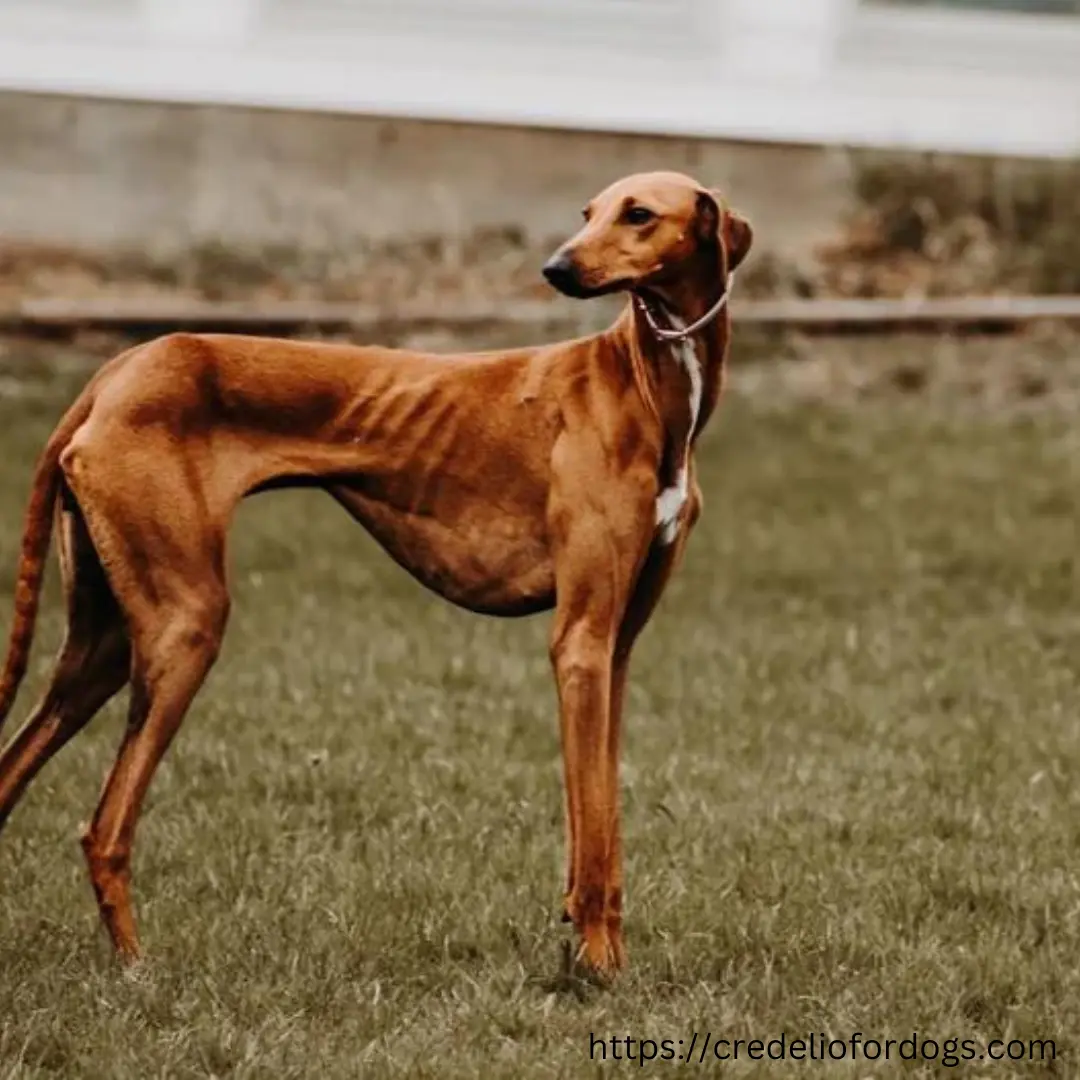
(701, 1047)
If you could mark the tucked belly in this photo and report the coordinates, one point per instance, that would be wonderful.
(490, 561)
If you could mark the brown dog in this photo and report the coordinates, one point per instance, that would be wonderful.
(555, 476)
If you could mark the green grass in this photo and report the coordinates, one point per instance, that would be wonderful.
(850, 778)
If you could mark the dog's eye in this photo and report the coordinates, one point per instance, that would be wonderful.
(638, 215)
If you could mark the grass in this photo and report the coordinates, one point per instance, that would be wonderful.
(850, 774)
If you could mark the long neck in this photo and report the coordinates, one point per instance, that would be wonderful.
(681, 381)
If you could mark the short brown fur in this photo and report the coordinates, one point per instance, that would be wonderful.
(508, 483)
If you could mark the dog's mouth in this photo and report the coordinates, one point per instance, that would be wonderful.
(580, 291)
(566, 279)
(569, 284)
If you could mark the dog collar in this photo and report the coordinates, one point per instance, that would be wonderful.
(664, 334)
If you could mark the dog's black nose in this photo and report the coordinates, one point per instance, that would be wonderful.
(560, 272)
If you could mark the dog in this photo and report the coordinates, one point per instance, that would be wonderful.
(556, 477)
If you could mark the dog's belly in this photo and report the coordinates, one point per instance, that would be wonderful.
(489, 561)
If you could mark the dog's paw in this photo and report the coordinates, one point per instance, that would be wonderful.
(597, 957)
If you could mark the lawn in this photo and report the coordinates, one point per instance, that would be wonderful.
(851, 769)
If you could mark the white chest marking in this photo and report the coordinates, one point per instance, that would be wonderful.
(671, 500)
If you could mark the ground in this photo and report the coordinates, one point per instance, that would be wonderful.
(850, 768)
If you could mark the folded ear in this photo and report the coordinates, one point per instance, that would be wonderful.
(716, 221)
(738, 238)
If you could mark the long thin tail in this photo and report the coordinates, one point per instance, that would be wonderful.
(37, 534)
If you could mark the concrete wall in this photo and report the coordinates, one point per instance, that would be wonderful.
(110, 175)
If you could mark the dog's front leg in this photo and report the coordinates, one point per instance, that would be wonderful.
(661, 563)
(581, 657)
(600, 527)
(650, 585)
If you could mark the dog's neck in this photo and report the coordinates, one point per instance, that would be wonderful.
(693, 300)
(668, 372)
(679, 379)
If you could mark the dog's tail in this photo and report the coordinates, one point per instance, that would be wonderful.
(37, 534)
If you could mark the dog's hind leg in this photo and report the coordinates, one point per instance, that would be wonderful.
(162, 535)
(92, 665)
(173, 653)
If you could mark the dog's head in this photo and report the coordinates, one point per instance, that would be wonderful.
(646, 231)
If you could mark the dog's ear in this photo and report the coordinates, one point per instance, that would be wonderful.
(710, 215)
(738, 238)
(716, 221)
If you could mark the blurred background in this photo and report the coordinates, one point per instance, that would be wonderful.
(279, 148)
(852, 753)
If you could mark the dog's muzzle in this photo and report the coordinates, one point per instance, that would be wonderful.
(562, 274)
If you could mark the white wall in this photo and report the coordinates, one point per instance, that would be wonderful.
(806, 71)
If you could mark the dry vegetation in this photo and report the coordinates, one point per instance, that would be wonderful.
(919, 226)
(491, 264)
(938, 226)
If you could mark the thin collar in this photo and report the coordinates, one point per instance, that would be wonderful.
(664, 334)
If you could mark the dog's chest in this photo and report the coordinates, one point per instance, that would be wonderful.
(676, 478)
